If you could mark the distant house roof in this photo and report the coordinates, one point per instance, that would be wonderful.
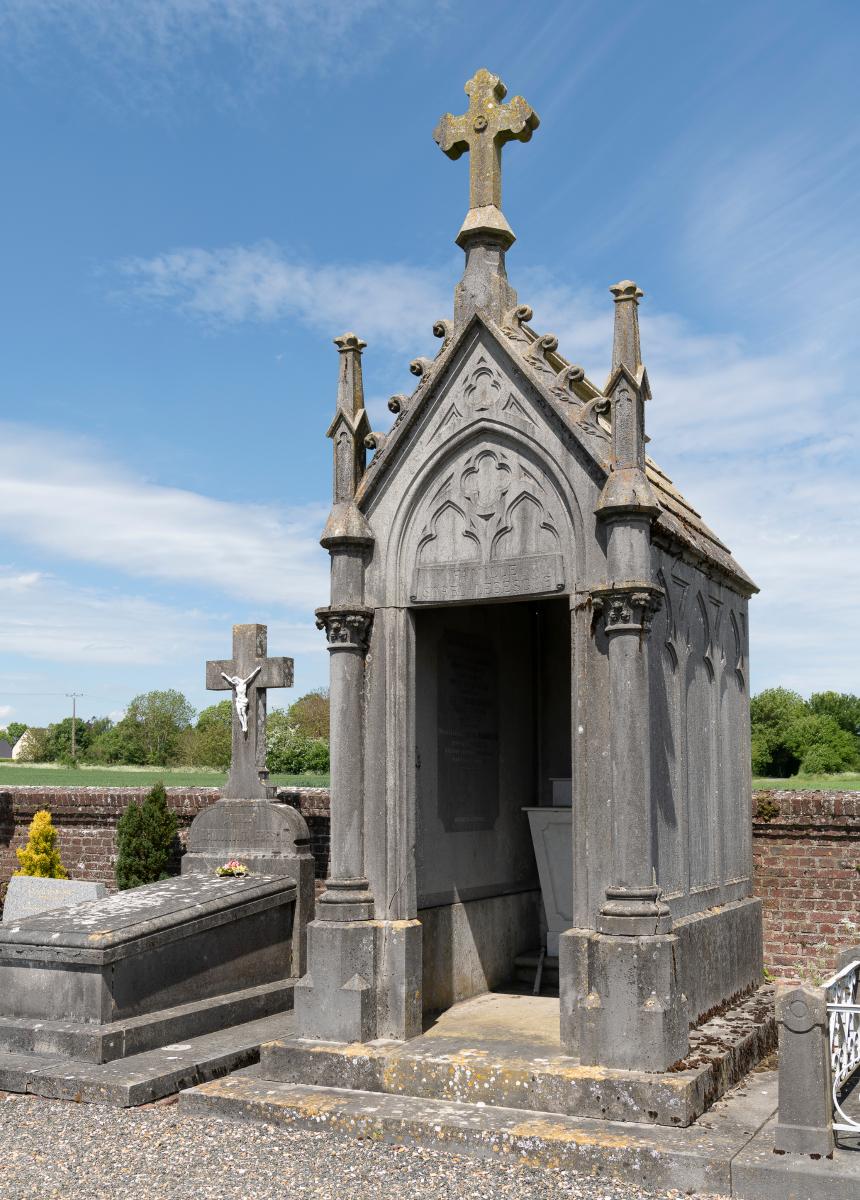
(5, 748)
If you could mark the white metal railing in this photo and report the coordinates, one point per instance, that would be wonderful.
(843, 1009)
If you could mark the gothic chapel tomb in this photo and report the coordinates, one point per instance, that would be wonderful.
(539, 684)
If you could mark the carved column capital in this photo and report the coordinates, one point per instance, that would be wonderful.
(627, 607)
(345, 628)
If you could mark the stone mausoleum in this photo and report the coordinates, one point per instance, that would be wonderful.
(539, 684)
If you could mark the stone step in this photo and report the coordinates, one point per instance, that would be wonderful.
(135, 1035)
(142, 1078)
(485, 1062)
(525, 971)
(729, 1153)
(693, 1160)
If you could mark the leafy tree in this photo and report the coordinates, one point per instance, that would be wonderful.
(59, 739)
(211, 741)
(160, 718)
(41, 856)
(843, 707)
(146, 840)
(289, 752)
(310, 714)
(120, 743)
(790, 734)
(14, 730)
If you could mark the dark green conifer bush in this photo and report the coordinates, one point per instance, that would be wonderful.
(146, 840)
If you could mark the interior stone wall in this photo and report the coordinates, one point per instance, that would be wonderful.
(476, 768)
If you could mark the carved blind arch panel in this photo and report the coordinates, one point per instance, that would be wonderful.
(516, 533)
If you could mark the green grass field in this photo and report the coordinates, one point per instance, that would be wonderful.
(849, 781)
(46, 774)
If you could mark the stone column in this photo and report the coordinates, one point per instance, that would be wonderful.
(622, 1006)
(347, 897)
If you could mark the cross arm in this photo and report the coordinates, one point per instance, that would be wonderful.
(214, 671)
(276, 673)
(522, 121)
(451, 135)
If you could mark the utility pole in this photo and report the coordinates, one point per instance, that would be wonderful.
(73, 697)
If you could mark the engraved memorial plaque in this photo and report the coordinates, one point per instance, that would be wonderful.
(531, 575)
(468, 733)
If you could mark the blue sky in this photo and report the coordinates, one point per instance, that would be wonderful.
(200, 194)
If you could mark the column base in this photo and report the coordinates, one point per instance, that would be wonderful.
(363, 981)
(622, 1005)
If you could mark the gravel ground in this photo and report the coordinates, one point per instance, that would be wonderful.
(49, 1148)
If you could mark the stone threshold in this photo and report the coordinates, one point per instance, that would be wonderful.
(728, 1153)
(135, 1035)
(140, 1078)
(502, 1050)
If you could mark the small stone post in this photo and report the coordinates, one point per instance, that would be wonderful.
(805, 1120)
(622, 1006)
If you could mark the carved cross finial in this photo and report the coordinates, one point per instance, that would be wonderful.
(482, 132)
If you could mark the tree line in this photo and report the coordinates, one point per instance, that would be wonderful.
(818, 736)
(161, 728)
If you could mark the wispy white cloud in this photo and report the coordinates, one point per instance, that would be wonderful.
(760, 438)
(6, 710)
(393, 303)
(91, 510)
(145, 50)
(47, 617)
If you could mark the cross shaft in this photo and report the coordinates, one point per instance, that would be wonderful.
(482, 131)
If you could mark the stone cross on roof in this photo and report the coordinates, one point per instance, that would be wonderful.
(482, 131)
(247, 675)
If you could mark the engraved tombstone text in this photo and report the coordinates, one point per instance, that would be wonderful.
(468, 733)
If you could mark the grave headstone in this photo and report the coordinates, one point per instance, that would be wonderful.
(28, 895)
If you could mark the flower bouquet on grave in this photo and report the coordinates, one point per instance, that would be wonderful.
(232, 869)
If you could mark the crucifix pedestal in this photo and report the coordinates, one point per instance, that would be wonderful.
(266, 834)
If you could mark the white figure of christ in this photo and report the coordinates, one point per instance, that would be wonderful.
(240, 687)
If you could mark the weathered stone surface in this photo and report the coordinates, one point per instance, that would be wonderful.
(142, 1077)
(270, 838)
(528, 598)
(147, 949)
(27, 895)
(248, 675)
(805, 1118)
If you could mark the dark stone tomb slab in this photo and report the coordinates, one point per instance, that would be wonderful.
(144, 966)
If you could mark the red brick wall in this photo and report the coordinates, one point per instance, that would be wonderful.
(806, 847)
(86, 819)
(807, 872)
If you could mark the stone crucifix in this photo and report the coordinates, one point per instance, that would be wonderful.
(482, 132)
(248, 675)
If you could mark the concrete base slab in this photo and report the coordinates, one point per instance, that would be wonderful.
(141, 1078)
(503, 1050)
